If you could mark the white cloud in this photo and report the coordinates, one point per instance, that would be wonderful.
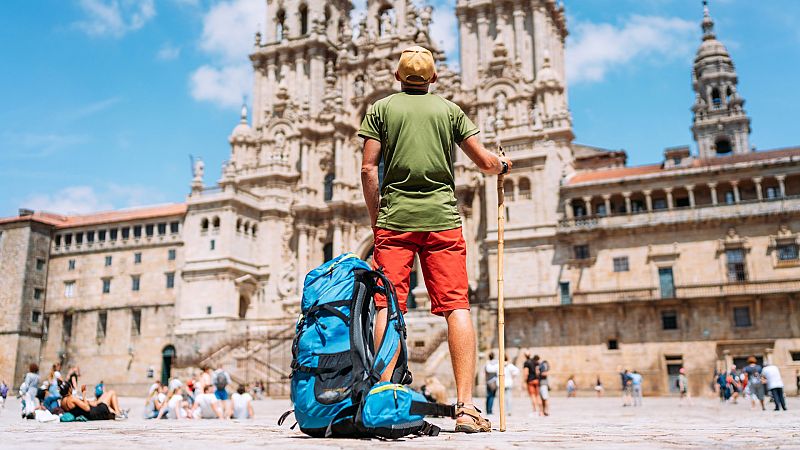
(598, 48)
(26, 144)
(91, 109)
(225, 86)
(444, 30)
(168, 52)
(87, 199)
(228, 31)
(115, 18)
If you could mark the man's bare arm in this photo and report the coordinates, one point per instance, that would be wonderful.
(369, 177)
(487, 162)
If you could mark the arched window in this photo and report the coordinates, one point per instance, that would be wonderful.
(716, 99)
(246, 228)
(508, 190)
(253, 230)
(524, 189)
(238, 225)
(328, 193)
(204, 224)
(215, 222)
(723, 146)
(280, 20)
(303, 19)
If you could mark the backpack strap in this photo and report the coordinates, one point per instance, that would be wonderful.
(349, 411)
(394, 335)
(283, 416)
(428, 429)
(432, 409)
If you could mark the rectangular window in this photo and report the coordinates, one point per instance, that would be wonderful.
(772, 193)
(741, 316)
(682, 202)
(171, 254)
(601, 210)
(137, 231)
(666, 282)
(669, 320)
(79, 238)
(795, 356)
(101, 235)
(613, 344)
(566, 298)
(148, 229)
(71, 264)
(67, 327)
(660, 203)
(126, 233)
(108, 261)
(173, 227)
(736, 270)
(136, 322)
(90, 236)
(67, 239)
(170, 280)
(581, 251)
(38, 293)
(58, 240)
(137, 258)
(208, 310)
(106, 285)
(729, 198)
(112, 234)
(102, 321)
(69, 289)
(637, 206)
(213, 244)
(162, 229)
(35, 316)
(135, 279)
(621, 264)
(39, 264)
(787, 252)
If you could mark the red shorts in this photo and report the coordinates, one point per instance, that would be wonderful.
(443, 257)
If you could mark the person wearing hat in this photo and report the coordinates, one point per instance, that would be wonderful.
(414, 211)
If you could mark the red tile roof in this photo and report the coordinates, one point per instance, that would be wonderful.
(122, 215)
(624, 172)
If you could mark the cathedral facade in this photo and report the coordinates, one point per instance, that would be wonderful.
(691, 262)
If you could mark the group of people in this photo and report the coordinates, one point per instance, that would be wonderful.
(631, 382)
(204, 396)
(60, 396)
(754, 382)
(534, 371)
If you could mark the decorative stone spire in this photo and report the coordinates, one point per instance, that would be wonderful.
(720, 126)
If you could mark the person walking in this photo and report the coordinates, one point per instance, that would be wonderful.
(752, 372)
(490, 372)
(636, 387)
(511, 373)
(683, 387)
(530, 370)
(772, 377)
(544, 386)
(625, 381)
(598, 387)
(415, 210)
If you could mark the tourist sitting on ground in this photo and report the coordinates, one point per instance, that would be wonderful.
(571, 386)
(177, 406)
(242, 404)
(221, 380)
(104, 408)
(156, 400)
(207, 405)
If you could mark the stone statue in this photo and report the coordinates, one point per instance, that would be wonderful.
(199, 169)
(387, 27)
(536, 117)
(501, 103)
(488, 125)
(280, 140)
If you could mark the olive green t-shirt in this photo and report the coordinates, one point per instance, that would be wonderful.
(417, 132)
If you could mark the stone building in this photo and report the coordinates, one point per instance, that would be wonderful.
(691, 262)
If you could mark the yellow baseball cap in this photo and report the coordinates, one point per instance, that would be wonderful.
(416, 66)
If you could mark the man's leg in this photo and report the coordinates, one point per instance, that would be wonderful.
(461, 340)
(489, 401)
(781, 398)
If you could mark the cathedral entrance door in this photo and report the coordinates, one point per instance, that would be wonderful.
(167, 359)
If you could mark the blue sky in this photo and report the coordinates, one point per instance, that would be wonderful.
(103, 100)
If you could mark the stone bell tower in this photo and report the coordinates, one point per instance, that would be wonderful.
(721, 127)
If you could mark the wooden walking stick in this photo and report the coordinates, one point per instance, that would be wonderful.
(501, 321)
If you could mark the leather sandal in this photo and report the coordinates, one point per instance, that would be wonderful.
(475, 424)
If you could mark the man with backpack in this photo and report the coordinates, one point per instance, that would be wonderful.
(221, 380)
(415, 210)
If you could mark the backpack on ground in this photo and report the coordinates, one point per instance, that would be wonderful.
(336, 368)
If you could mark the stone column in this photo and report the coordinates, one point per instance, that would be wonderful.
(781, 184)
(302, 255)
(337, 239)
(540, 26)
(317, 77)
(757, 181)
(502, 27)
(607, 203)
(735, 186)
(519, 34)
(670, 204)
(301, 93)
(648, 197)
(627, 196)
(713, 187)
(466, 51)
(304, 164)
(690, 190)
(484, 44)
(569, 213)
(587, 203)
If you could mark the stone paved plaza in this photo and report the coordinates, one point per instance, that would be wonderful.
(574, 423)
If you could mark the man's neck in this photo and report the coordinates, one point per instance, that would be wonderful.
(414, 89)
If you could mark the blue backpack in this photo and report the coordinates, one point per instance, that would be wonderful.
(336, 368)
